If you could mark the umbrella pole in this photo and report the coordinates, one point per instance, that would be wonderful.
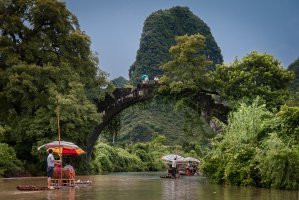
(58, 124)
(58, 129)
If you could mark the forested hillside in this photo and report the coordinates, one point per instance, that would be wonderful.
(142, 122)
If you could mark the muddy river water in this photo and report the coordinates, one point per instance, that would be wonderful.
(141, 186)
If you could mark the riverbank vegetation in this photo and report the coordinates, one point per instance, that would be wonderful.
(257, 148)
(141, 156)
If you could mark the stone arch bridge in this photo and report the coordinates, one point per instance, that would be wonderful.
(112, 105)
(123, 98)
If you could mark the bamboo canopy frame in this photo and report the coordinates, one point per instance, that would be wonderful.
(58, 129)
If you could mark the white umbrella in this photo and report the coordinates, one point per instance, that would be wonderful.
(171, 157)
(190, 159)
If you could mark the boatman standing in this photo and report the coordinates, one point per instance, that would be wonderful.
(50, 167)
(174, 167)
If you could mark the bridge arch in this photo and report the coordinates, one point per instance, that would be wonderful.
(123, 98)
(112, 105)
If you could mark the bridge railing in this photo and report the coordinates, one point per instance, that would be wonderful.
(124, 95)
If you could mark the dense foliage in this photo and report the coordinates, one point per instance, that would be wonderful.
(9, 163)
(295, 68)
(258, 148)
(45, 61)
(187, 69)
(293, 99)
(187, 77)
(158, 35)
(135, 157)
(254, 75)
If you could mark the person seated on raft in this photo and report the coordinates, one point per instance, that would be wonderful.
(57, 165)
(71, 170)
(68, 166)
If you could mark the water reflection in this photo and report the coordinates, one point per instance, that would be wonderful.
(184, 188)
(67, 194)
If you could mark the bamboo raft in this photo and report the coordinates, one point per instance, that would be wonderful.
(32, 188)
(38, 188)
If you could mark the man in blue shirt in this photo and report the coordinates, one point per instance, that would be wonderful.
(50, 167)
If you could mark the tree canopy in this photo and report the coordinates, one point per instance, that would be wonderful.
(188, 69)
(254, 75)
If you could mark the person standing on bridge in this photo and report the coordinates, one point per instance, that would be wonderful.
(145, 79)
(156, 79)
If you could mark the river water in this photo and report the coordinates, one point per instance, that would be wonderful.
(141, 186)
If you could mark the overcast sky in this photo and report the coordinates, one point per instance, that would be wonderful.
(238, 26)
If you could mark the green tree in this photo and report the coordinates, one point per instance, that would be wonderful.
(257, 148)
(293, 99)
(278, 156)
(231, 159)
(254, 75)
(9, 163)
(45, 58)
(186, 77)
(186, 80)
(188, 69)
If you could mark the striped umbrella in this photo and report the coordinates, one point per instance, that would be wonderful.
(63, 148)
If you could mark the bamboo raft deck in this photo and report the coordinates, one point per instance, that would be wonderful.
(31, 188)
(55, 186)
(39, 188)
